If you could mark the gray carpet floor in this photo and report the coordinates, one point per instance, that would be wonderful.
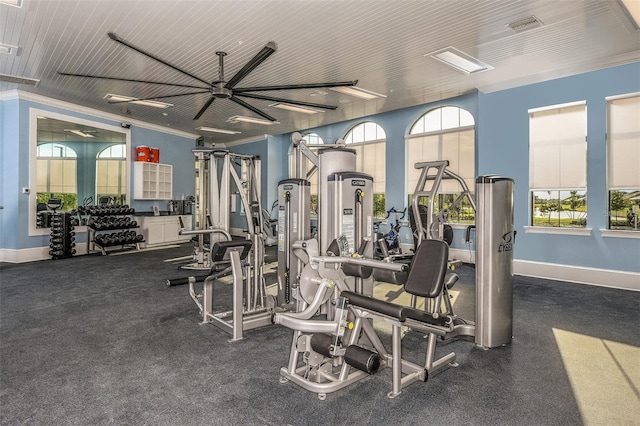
(101, 340)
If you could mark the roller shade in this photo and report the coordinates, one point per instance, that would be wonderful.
(456, 147)
(558, 148)
(371, 159)
(623, 143)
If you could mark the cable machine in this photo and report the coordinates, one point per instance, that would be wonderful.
(224, 177)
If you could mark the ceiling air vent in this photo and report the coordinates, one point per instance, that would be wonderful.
(525, 24)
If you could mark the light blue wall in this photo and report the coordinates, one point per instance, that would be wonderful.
(174, 150)
(9, 197)
(501, 148)
(396, 125)
(504, 149)
(14, 172)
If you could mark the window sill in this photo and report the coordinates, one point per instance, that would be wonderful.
(557, 231)
(619, 233)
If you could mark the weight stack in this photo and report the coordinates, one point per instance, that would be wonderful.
(62, 241)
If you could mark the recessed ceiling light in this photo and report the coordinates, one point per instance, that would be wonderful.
(318, 93)
(84, 134)
(459, 60)
(357, 92)
(240, 118)
(213, 129)
(295, 108)
(7, 49)
(632, 8)
(5, 78)
(16, 3)
(127, 99)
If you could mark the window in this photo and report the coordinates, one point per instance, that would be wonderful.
(369, 141)
(558, 165)
(111, 174)
(312, 139)
(56, 166)
(445, 133)
(623, 146)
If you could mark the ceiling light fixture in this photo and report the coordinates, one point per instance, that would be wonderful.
(295, 108)
(240, 118)
(213, 129)
(459, 60)
(145, 102)
(16, 3)
(6, 78)
(632, 8)
(357, 92)
(7, 49)
(80, 133)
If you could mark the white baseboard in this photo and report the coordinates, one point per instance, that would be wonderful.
(237, 232)
(578, 274)
(467, 256)
(33, 254)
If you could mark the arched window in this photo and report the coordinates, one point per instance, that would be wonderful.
(312, 139)
(111, 174)
(369, 141)
(56, 165)
(445, 133)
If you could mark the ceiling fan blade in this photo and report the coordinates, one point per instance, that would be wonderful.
(130, 80)
(296, 86)
(204, 107)
(153, 98)
(266, 51)
(114, 37)
(252, 108)
(288, 101)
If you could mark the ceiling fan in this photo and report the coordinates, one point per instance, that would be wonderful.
(221, 89)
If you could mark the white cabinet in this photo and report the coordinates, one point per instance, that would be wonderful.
(159, 230)
(152, 181)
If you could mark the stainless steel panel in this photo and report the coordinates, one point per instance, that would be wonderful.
(494, 261)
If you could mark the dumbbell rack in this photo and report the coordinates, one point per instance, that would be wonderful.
(62, 236)
(116, 219)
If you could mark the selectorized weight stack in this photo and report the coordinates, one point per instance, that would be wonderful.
(293, 225)
(350, 199)
(330, 160)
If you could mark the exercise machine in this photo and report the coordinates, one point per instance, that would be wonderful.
(230, 258)
(328, 355)
(428, 223)
(334, 342)
(223, 179)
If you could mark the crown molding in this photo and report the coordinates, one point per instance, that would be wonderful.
(28, 96)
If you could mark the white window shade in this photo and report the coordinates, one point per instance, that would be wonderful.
(624, 143)
(371, 159)
(558, 148)
(110, 176)
(456, 147)
(62, 176)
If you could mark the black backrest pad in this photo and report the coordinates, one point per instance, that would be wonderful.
(429, 266)
(220, 250)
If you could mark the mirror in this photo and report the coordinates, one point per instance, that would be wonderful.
(76, 163)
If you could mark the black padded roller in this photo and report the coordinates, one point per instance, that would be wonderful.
(363, 359)
(322, 343)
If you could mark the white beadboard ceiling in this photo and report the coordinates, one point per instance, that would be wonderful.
(380, 43)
